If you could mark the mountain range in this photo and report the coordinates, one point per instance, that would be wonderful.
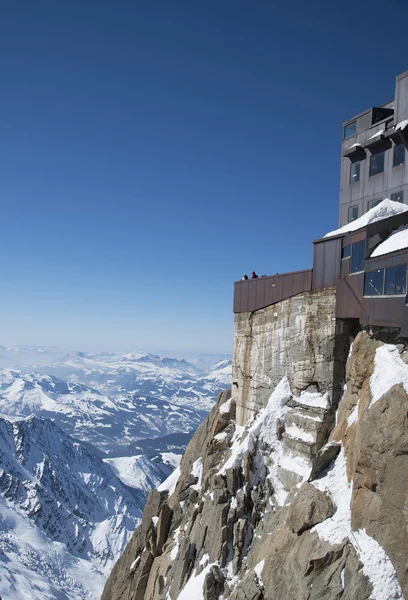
(83, 438)
(111, 400)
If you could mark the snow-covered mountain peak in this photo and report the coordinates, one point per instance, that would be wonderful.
(111, 423)
(222, 364)
(74, 499)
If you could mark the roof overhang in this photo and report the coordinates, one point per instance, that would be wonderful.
(355, 153)
(399, 136)
(378, 144)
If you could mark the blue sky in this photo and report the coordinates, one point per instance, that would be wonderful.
(154, 151)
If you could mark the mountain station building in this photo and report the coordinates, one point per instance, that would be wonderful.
(366, 258)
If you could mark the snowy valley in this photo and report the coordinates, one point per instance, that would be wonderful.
(83, 439)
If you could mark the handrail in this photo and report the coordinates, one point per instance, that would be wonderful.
(276, 275)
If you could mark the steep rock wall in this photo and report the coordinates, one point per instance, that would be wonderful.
(226, 526)
(373, 428)
(294, 338)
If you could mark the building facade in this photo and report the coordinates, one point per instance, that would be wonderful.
(374, 156)
(364, 262)
(366, 266)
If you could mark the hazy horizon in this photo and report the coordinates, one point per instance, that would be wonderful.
(152, 154)
(89, 349)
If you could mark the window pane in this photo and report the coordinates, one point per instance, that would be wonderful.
(395, 280)
(379, 113)
(398, 197)
(390, 280)
(401, 279)
(350, 130)
(346, 251)
(374, 283)
(368, 283)
(379, 282)
(376, 164)
(352, 213)
(357, 257)
(373, 240)
(372, 203)
(354, 172)
(399, 155)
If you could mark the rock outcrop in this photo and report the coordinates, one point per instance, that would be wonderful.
(256, 512)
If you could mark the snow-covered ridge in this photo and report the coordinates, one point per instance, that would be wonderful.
(109, 422)
(140, 473)
(65, 517)
(66, 513)
(185, 383)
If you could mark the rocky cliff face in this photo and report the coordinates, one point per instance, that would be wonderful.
(295, 338)
(262, 511)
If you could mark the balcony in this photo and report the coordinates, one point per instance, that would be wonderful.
(254, 294)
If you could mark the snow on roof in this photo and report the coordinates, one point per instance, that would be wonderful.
(376, 134)
(386, 208)
(396, 241)
(401, 125)
(354, 146)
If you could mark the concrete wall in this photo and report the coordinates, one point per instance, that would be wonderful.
(393, 179)
(401, 97)
(296, 337)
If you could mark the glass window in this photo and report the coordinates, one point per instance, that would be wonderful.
(372, 203)
(401, 279)
(346, 251)
(350, 130)
(399, 155)
(395, 280)
(390, 280)
(398, 197)
(379, 113)
(354, 172)
(375, 239)
(376, 164)
(374, 283)
(352, 213)
(357, 256)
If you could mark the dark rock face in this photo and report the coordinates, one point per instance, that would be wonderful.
(309, 507)
(237, 527)
(323, 458)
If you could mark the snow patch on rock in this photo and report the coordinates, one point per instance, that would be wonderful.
(197, 471)
(389, 370)
(263, 430)
(258, 570)
(376, 564)
(225, 408)
(194, 588)
(169, 485)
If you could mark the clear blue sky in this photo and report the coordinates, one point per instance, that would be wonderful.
(154, 151)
